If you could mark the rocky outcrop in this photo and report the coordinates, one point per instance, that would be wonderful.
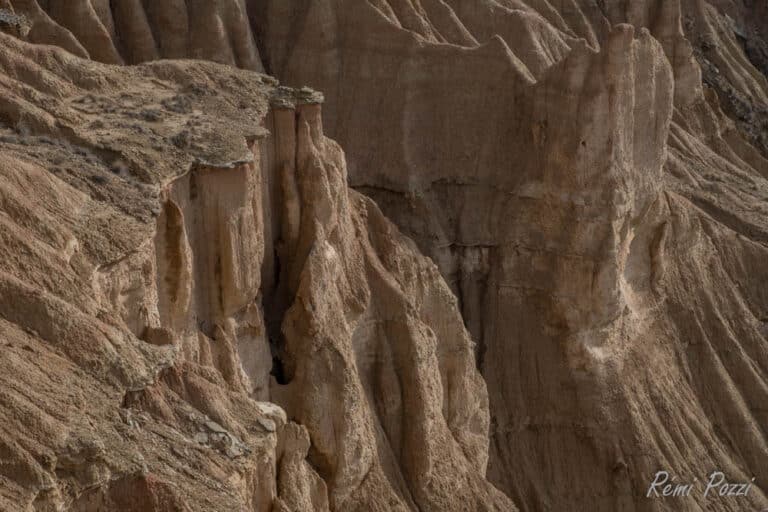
(205, 317)
(375, 361)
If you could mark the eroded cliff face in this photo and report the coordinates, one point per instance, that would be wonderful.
(246, 333)
(198, 314)
(590, 178)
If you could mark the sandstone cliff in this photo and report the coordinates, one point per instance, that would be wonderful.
(180, 252)
(588, 176)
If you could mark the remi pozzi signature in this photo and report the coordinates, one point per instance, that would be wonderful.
(666, 486)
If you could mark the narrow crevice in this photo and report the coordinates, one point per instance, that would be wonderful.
(274, 311)
(285, 259)
(278, 369)
(481, 349)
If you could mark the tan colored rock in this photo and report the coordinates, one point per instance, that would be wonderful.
(181, 211)
(299, 487)
(46, 31)
(588, 176)
(376, 363)
(576, 195)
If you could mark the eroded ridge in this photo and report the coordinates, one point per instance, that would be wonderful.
(205, 317)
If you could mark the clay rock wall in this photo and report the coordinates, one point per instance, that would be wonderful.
(587, 176)
(376, 362)
(205, 317)
(572, 168)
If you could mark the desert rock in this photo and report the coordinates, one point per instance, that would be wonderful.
(589, 178)
(198, 310)
(153, 293)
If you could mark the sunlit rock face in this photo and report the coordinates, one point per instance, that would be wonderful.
(545, 284)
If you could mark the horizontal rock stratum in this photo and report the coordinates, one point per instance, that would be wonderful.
(527, 271)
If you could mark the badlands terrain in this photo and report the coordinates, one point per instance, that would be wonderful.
(382, 255)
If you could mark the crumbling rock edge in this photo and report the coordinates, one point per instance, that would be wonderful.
(194, 306)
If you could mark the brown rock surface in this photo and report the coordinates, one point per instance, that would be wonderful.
(599, 216)
(181, 253)
(166, 233)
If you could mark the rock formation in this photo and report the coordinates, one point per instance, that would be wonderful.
(574, 172)
(199, 314)
(174, 234)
